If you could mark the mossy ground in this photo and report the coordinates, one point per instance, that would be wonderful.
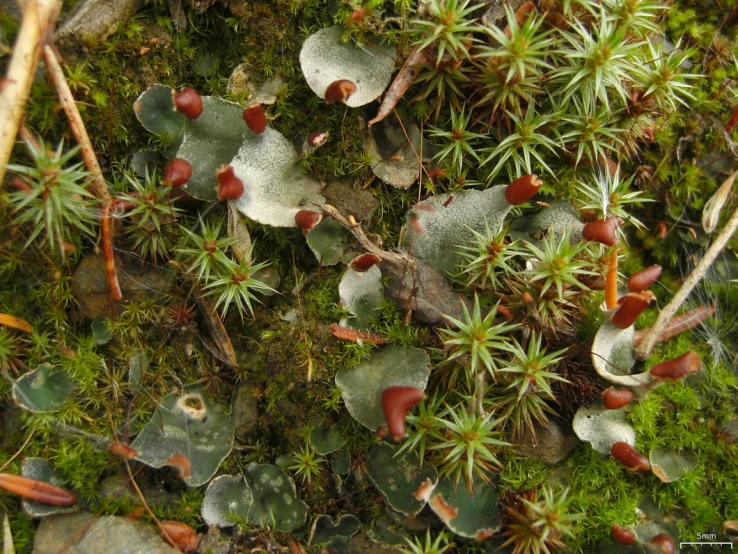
(275, 354)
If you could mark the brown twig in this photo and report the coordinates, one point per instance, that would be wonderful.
(355, 229)
(55, 72)
(39, 18)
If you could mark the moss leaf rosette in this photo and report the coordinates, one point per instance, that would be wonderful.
(361, 293)
(275, 503)
(325, 58)
(472, 515)
(602, 428)
(227, 498)
(275, 186)
(45, 389)
(436, 227)
(391, 365)
(398, 478)
(189, 433)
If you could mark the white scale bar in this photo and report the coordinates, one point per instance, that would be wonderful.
(706, 544)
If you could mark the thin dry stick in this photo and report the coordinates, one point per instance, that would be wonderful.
(357, 231)
(54, 71)
(643, 350)
(39, 18)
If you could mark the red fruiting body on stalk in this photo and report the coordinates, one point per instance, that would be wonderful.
(666, 542)
(621, 535)
(40, 491)
(603, 231)
(643, 279)
(364, 262)
(339, 91)
(307, 219)
(673, 370)
(182, 535)
(613, 398)
(522, 189)
(255, 118)
(396, 403)
(177, 173)
(629, 456)
(229, 187)
(316, 139)
(188, 102)
(630, 308)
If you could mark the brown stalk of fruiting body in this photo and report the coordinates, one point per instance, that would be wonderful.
(106, 224)
(677, 368)
(40, 491)
(39, 17)
(641, 280)
(733, 121)
(396, 403)
(629, 457)
(611, 281)
(643, 350)
(679, 324)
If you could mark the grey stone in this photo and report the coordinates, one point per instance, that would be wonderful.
(245, 414)
(549, 445)
(97, 19)
(92, 291)
(85, 534)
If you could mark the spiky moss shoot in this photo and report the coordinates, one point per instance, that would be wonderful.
(306, 464)
(467, 445)
(478, 338)
(525, 392)
(540, 522)
(418, 545)
(488, 258)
